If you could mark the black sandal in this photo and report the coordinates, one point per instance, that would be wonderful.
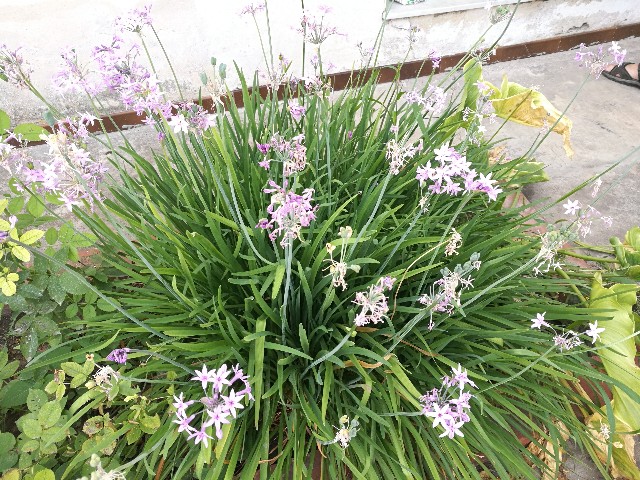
(620, 74)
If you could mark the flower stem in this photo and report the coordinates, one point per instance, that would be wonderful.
(175, 77)
(564, 275)
(288, 256)
(569, 253)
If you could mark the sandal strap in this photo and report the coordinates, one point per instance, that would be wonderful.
(620, 71)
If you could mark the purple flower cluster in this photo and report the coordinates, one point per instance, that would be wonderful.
(450, 287)
(585, 216)
(433, 101)
(595, 61)
(314, 28)
(400, 154)
(135, 20)
(449, 412)
(13, 68)
(566, 340)
(72, 175)
(292, 153)
(114, 67)
(216, 409)
(278, 73)
(77, 128)
(296, 110)
(252, 8)
(289, 212)
(453, 174)
(191, 117)
(365, 53)
(73, 77)
(373, 302)
(435, 57)
(6, 154)
(119, 355)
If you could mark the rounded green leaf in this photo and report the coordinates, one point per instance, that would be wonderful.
(49, 414)
(72, 284)
(45, 475)
(7, 442)
(150, 424)
(8, 462)
(15, 205)
(30, 427)
(77, 380)
(51, 235)
(106, 306)
(35, 206)
(29, 446)
(5, 121)
(36, 399)
(14, 393)
(30, 131)
(20, 253)
(31, 236)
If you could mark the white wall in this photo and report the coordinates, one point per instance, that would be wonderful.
(194, 30)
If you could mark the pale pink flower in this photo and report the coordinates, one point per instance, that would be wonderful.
(539, 321)
(571, 207)
(594, 332)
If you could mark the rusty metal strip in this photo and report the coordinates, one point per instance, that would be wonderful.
(413, 69)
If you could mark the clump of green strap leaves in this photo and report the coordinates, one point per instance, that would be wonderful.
(207, 287)
(197, 284)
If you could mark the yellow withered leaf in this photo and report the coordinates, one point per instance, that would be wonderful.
(530, 107)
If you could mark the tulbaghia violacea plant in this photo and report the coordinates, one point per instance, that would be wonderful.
(331, 242)
(13, 67)
(292, 154)
(72, 174)
(595, 60)
(399, 154)
(315, 28)
(338, 268)
(433, 101)
(226, 393)
(191, 117)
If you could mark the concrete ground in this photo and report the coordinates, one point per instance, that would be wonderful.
(606, 130)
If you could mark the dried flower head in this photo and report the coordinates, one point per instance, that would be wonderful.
(373, 302)
(455, 242)
(345, 432)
